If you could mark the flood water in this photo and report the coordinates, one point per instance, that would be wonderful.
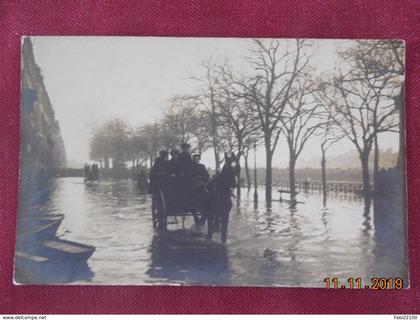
(278, 246)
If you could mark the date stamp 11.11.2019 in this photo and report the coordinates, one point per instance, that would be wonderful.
(375, 283)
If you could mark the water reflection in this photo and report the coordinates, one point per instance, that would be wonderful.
(52, 273)
(366, 218)
(180, 257)
(324, 219)
(36, 205)
(278, 245)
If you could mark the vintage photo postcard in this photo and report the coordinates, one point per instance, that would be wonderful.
(204, 161)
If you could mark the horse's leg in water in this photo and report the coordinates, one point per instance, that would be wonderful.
(203, 204)
(225, 221)
(210, 226)
(216, 224)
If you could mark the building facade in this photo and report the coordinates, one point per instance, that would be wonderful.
(42, 148)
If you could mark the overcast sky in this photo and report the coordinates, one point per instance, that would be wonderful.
(93, 79)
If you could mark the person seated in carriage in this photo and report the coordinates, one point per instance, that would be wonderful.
(174, 169)
(184, 166)
(184, 160)
(174, 181)
(199, 175)
(199, 181)
(159, 172)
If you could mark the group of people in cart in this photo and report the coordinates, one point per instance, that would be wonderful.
(182, 178)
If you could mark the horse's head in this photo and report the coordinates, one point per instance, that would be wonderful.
(233, 162)
(231, 170)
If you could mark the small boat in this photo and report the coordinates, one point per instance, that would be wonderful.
(36, 268)
(38, 220)
(38, 229)
(64, 249)
(29, 268)
(20, 255)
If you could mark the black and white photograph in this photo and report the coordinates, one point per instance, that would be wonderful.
(212, 162)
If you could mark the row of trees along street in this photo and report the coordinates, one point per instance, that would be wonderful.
(277, 94)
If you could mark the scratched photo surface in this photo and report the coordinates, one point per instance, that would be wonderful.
(212, 161)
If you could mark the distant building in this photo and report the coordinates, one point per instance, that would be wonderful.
(350, 160)
(42, 148)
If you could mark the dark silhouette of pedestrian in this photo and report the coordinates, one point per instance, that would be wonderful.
(159, 172)
(185, 160)
(86, 170)
(95, 172)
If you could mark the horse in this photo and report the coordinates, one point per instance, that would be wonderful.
(219, 201)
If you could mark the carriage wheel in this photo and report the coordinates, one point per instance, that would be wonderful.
(160, 211)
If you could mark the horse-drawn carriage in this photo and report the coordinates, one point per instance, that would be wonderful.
(166, 203)
(211, 204)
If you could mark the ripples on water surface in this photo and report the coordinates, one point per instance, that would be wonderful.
(278, 246)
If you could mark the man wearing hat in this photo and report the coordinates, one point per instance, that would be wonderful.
(173, 164)
(184, 160)
(185, 167)
(199, 181)
(200, 175)
(159, 172)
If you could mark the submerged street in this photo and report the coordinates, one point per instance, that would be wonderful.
(278, 246)
(269, 107)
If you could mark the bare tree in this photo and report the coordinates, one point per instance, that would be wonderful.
(299, 122)
(98, 146)
(246, 166)
(110, 141)
(251, 141)
(227, 140)
(184, 121)
(329, 135)
(275, 67)
(152, 132)
(361, 105)
(178, 122)
(138, 144)
(208, 99)
(200, 130)
(384, 60)
(237, 113)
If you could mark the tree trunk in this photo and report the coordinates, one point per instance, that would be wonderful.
(214, 131)
(364, 158)
(375, 163)
(292, 178)
(268, 174)
(239, 182)
(247, 173)
(216, 156)
(399, 104)
(324, 177)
